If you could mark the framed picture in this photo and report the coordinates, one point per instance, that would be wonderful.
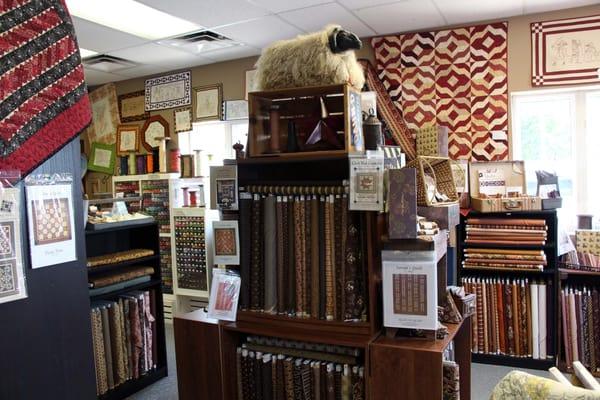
(226, 243)
(207, 102)
(355, 144)
(235, 109)
(183, 119)
(223, 187)
(187, 166)
(155, 128)
(105, 115)
(128, 139)
(250, 82)
(131, 107)
(168, 91)
(102, 158)
(565, 52)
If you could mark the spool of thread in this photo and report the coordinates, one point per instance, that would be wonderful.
(186, 200)
(123, 160)
(174, 160)
(162, 155)
(155, 160)
(197, 163)
(149, 163)
(131, 164)
(141, 164)
(201, 202)
(193, 199)
(274, 125)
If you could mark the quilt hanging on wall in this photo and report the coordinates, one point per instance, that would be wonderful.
(455, 78)
(43, 96)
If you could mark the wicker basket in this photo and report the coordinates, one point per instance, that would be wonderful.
(439, 168)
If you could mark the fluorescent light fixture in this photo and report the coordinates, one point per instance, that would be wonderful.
(131, 17)
(86, 53)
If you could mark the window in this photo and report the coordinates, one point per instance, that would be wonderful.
(549, 133)
(215, 139)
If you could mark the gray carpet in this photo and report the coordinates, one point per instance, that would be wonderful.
(483, 377)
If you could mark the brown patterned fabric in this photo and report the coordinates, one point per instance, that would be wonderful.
(529, 328)
(338, 382)
(508, 319)
(329, 267)
(590, 331)
(344, 226)
(346, 384)
(314, 236)
(307, 257)
(330, 382)
(596, 324)
(352, 307)
(297, 375)
(291, 257)
(516, 316)
(523, 319)
(238, 365)
(114, 314)
(501, 326)
(281, 233)
(280, 379)
(256, 262)
(451, 386)
(118, 257)
(485, 313)
(450, 313)
(289, 378)
(136, 337)
(119, 276)
(307, 382)
(267, 385)
(270, 258)
(99, 355)
(316, 377)
(299, 252)
(339, 276)
(110, 376)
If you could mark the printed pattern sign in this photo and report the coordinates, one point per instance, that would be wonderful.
(455, 78)
(51, 221)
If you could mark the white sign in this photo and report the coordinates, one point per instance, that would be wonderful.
(366, 183)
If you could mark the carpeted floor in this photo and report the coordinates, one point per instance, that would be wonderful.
(483, 378)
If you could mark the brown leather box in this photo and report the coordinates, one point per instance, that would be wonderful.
(447, 216)
(402, 204)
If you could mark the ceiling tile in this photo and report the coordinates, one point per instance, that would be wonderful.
(232, 53)
(144, 70)
(93, 78)
(402, 17)
(260, 32)
(536, 6)
(209, 13)
(278, 6)
(355, 4)
(158, 55)
(462, 11)
(101, 39)
(316, 18)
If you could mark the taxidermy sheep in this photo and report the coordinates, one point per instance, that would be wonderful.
(321, 58)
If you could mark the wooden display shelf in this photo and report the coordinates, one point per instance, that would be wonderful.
(119, 228)
(134, 385)
(565, 272)
(357, 334)
(512, 361)
(416, 365)
(123, 264)
(313, 156)
(152, 283)
(550, 271)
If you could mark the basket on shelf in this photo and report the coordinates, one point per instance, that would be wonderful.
(439, 168)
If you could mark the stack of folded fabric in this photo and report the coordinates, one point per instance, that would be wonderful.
(510, 231)
(119, 279)
(118, 257)
(426, 229)
(500, 259)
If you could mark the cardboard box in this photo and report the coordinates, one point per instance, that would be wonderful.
(402, 204)
(514, 175)
(447, 216)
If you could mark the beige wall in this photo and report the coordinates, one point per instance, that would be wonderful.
(232, 73)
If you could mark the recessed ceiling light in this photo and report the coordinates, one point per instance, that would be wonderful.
(86, 53)
(131, 17)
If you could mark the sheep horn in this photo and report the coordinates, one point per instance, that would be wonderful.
(341, 40)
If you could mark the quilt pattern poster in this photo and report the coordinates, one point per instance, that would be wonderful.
(455, 78)
(12, 277)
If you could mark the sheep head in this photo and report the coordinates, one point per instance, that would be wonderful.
(341, 40)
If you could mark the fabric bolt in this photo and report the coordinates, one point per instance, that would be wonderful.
(316, 371)
(297, 375)
(314, 274)
(324, 387)
(245, 228)
(494, 318)
(508, 320)
(480, 317)
(523, 319)
(330, 382)
(339, 277)
(352, 305)
(239, 379)
(280, 389)
(150, 322)
(116, 348)
(270, 259)
(590, 332)
(344, 230)
(358, 389)
(596, 313)
(244, 378)
(307, 382)
(274, 376)
(299, 253)
(258, 375)
(486, 315)
(107, 346)
(99, 355)
(255, 269)
(291, 282)
(529, 320)
(346, 384)
(573, 324)
(329, 267)
(516, 316)
(128, 336)
(124, 338)
(307, 245)
(253, 383)
(501, 326)
(289, 378)
(285, 225)
(337, 375)
(136, 337)
(43, 93)
(322, 259)
(267, 389)
(451, 385)
(579, 322)
(280, 257)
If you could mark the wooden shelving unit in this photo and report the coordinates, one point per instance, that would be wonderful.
(112, 240)
(550, 273)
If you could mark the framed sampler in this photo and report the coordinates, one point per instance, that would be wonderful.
(131, 107)
(168, 91)
(128, 139)
(155, 128)
(207, 102)
(183, 119)
(102, 158)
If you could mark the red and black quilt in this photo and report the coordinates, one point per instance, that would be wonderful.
(43, 96)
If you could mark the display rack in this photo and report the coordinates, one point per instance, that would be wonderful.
(549, 274)
(160, 193)
(121, 238)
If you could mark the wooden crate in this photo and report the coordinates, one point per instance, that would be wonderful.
(303, 107)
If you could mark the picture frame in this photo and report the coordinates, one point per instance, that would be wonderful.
(235, 109)
(223, 187)
(132, 107)
(128, 139)
(154, 127)
(102, 158)
(355, 143)
(563, 51)
(206, 102)
(226, 243)
(182, 118)
(168, 91)
(105, 115)
(187, 166)
(249, 82)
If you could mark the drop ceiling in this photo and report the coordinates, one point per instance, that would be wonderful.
(253, 24)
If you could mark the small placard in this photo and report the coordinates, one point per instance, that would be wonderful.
(492, 182)
(366, 183)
